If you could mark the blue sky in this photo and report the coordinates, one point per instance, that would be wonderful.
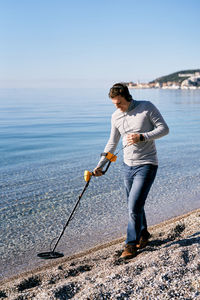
(69, 43)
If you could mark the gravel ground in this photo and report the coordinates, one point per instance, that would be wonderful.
(168, 268)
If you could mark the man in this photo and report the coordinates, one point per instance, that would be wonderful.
(139, 123)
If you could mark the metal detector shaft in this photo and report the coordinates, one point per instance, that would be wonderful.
(77, 203)
(67, 223)
(87, 176)
(106, 169)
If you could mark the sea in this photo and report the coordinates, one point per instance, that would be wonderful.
(49, 137)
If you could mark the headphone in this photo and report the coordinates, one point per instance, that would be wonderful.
(123, 90)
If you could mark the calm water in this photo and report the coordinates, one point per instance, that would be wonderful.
(49, 137)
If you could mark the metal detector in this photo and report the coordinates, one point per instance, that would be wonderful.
(87, 176)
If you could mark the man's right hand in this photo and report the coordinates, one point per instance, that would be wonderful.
(98, 172)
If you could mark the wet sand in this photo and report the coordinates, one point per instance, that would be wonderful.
(168, 268)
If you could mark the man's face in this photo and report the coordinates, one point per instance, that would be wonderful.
(121, 103)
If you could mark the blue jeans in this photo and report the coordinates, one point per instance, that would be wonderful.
(138, 181)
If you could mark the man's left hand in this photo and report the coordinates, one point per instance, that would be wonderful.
(133, 138)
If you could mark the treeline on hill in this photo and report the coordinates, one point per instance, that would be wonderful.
(174, 77)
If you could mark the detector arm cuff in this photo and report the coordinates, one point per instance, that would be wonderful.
(111, 157)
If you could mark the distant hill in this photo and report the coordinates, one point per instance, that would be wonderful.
(174, 77)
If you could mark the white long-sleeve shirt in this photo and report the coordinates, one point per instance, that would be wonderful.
(141, 117)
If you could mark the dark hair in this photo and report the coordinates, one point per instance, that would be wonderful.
(120, 89)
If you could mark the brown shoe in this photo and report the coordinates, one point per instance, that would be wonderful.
(143, 241)
(130, 251)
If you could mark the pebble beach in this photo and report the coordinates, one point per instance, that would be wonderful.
(168, 268)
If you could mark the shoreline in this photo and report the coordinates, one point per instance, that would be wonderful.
(108, 251)
(53, 263)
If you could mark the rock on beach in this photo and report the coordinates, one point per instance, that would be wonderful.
(168, 268)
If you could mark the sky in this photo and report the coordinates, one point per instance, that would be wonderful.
(84, 43)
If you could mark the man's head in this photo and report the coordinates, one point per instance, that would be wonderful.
(120, 96)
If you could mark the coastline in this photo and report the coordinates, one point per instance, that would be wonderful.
(98, 273)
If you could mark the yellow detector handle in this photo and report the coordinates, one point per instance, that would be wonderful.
(87, 175)
(111, 157)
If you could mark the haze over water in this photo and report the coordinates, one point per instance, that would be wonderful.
(49, 137)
